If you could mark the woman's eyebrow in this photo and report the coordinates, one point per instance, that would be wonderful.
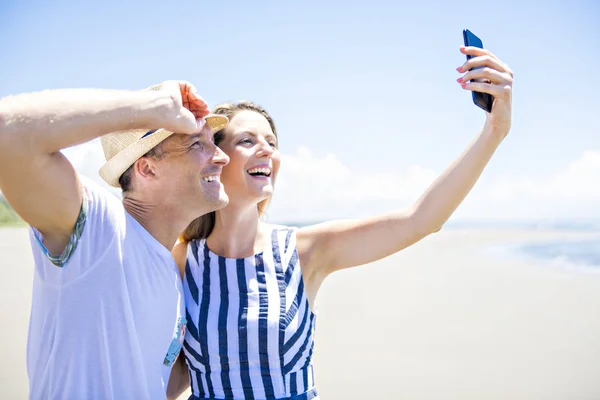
(252, 133)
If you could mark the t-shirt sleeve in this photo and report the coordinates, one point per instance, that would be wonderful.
(100, 226)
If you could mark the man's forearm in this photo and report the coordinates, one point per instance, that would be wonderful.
(55, 119)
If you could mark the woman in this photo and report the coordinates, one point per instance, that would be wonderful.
(251, 287)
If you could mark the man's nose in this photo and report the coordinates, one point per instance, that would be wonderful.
(220, 157)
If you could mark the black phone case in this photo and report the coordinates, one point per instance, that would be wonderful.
(482, 100)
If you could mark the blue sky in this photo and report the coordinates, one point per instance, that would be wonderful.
(363, 93)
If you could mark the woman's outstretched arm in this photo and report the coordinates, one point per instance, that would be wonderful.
(336, 245)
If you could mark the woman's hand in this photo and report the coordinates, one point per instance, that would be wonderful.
(495, 78)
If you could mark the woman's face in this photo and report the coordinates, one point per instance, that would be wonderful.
(253, 158)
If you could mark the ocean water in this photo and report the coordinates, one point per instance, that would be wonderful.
(582, 253)
(578, 254)
(568, 253)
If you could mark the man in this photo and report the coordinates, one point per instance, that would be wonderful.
(107, 315)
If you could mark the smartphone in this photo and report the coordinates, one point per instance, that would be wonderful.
(482, 100)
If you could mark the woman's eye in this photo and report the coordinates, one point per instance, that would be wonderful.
(245, 141)
(273, 144)
(196, 145)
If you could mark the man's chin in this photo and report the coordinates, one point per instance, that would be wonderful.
(223, 201)
(214, 204)
(220, 201)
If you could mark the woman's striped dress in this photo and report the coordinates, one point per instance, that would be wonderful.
(250, 330)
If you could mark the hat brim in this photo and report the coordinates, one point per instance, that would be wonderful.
(112, 170)
(216, 122)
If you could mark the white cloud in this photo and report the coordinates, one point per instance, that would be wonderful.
(314, 187)
(573, 192)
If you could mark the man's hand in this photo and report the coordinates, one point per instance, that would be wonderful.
(187, 111)
(46, 192)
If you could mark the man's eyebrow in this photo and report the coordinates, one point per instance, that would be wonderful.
(193, 137)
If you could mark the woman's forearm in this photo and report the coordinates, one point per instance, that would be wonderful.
(446, 193)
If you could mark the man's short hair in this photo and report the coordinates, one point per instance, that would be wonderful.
(157, 153)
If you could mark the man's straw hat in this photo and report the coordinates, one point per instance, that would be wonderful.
(122, 149)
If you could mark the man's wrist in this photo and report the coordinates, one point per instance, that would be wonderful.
(159, 108)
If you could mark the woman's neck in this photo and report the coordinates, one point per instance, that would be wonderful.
(238, 233)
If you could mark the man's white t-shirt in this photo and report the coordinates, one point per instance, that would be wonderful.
(110, 322)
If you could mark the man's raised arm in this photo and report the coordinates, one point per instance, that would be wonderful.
(38, 181)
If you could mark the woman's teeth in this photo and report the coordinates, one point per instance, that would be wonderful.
(260, 171)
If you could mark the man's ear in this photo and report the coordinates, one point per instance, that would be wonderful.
(145, 168)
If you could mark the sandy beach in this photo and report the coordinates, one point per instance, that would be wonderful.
(446, 319)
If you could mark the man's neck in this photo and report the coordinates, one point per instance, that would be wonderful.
(162, 222)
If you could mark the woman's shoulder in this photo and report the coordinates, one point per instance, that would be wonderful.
(179, 253)
(184, 250)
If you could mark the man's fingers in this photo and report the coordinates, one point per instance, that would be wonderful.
(201, 113)
(194, 108)
(188, 124)
(200, 124)
(189, 94)
(193, 101)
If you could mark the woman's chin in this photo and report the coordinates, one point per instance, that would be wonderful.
(263, 193)
(254, 195)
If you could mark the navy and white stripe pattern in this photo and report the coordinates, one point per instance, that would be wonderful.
(250, 328)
